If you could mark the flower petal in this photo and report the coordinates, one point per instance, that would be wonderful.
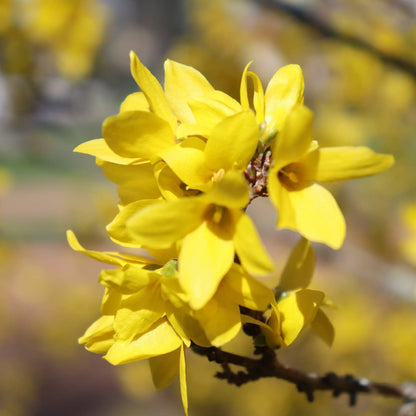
(190, 165)
(203, 261)
(245, 290)
(117, 229)
(232, 142)
(152, 90)
(298, 271)
(341, 163)
(161, 225)
(258, 95)
(105, 257)
(111, 301)
(323, 327)
(283, 92)
(135, 181)
(182, 379)
(160, 339)
(135, 102)
(99, 148)
(249, 248)
(298, 310)
(98, 337)
(313, 212)
(137, 134)
(231, 191)
(138, 312)
(128, 279)
(183, 82)
(295, 138)
(209, 111)
(170, 186)
(219, 319)
(164, 368)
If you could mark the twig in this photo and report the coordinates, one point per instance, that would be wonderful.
(268, 366)
(325, 29)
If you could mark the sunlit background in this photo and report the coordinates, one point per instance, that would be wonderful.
(64, 68)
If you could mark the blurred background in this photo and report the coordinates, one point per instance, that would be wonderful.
(64, 68)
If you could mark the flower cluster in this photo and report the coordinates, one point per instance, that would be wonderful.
(188, 159)
(28, 29)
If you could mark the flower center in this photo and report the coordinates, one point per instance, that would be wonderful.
(216, 214)
(291, 176)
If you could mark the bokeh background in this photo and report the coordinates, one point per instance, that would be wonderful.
(64, 68)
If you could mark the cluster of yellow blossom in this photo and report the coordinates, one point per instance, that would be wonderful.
(29, 28)
(188, 159)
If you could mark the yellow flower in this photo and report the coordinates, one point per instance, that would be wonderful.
(298, 163)
(283, 93)
(408, 245)
(146, 127)
(230, 146)
(211, 229)
(296, 306)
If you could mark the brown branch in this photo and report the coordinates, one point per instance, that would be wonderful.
(268, 366)
(326, 30)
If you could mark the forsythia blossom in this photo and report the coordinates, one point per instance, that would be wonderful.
(188, 159)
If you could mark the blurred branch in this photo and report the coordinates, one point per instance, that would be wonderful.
(326, 30)
(268, 366)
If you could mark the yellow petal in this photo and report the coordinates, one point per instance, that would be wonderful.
(182, 379)
(341, 163)
(137, 134)
(231, 191)
(220, 319)
(187, 327)
(295, 138)
(135, 102)
(298, 271)
(128, 279)
(283, 92)
(98, 337)
(298, 310)
(190, 166)
(313, 212)
(161, 225)
(164, 368)
(322, 327)
(152, 90)
(117, 229)
(209, 111)
(232, 142)
(111, 301)
(170, 186)
(245, 290)
(199, 274)
(183, 82)
(135, 181)
(249, 248)
(160, 339)
(105, 257)
(99, 148)
(138, 312)
(258, 95)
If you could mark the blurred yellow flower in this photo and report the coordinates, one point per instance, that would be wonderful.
(57, 27)
(408, 245)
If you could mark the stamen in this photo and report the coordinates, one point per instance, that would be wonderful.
(217, 176)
